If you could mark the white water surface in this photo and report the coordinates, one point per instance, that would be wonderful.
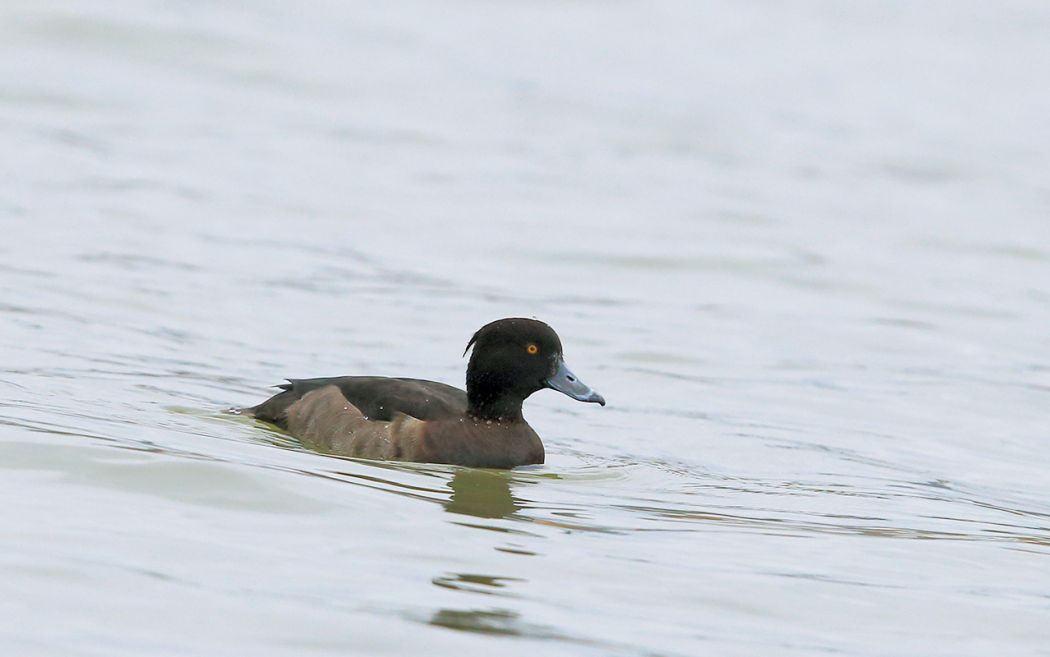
(802, 248)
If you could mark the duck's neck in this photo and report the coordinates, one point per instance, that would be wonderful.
(493, 402)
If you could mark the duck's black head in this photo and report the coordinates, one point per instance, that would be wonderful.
(512, 359)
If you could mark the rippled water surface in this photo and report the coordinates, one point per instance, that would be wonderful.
(803, 250)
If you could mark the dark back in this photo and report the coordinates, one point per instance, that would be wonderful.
(377, 397)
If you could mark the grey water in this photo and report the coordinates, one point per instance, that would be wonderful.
(803, 249)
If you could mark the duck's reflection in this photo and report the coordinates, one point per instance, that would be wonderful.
(495, 621)
(483, 584)
(503, 622)
(482, 494)
(485, 494)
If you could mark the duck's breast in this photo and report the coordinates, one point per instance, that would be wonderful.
(481, 444)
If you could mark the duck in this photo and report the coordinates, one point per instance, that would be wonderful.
(402, 419)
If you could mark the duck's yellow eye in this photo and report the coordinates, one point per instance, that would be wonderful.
(532, 349)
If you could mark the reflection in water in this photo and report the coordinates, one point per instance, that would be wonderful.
(502, 622)
(483, 584)
(497, 621)
(482, 493)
